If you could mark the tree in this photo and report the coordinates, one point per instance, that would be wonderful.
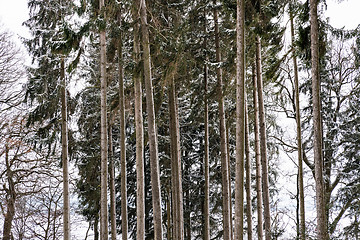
(11, 71)
(318, 156)
(206, 142)
(123, 173)
(224, 161)
(298, 129)
(103, 131)
(140, 178)
(240, 118)
(263, 145)
(154, 163)
(258, 175)
(24, 170)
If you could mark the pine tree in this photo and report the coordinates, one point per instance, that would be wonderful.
(240, 119)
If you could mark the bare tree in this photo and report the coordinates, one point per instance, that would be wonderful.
(11, 72)
(23, 171)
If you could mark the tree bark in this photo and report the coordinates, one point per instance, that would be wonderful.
(153, 142)
(257, 158)
(10, 199)
(248, 174)
(104, 142)
(123, 174)
(240, 120)
(206, 233)
(298, 130)
(64, 154)
(177, 196)
(263, 145)
(140, 175)
(112, 185)
(224, 161)
(318, 155)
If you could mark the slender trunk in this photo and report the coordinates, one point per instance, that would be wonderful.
(96, 230)
(264, 160)
(298, 129)
(177, 198)
(123, 174)
(257, 158)
(206, 144)
(154, 163)
(187, 217)
(168, 212)
(64, 153)
(224, 162)
(104, 142)
(112, 186)
(11, 198)
(140, 175)
(229, 170)
(248, 174)
(240, 120)
(318, 158)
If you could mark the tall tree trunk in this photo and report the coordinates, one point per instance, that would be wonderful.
(263, 146)
(96, 228)
(104, 143)
(177, 196)
(140, 175)
(153, 144)
(257, 158)
(11, 198)
(240, 120)
(112, 185)
(64, 153)
(298, 130)
(206, 233)
(224, 161)
(229, 170)
(248, 174)
(123, 174)
(318, 158)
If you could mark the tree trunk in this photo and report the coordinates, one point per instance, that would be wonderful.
(177, 198)
(298, 130)
(96, 230)
(123, 174)
(112, 185)
(248, 174)
(153, 145)
(229, 170)
(140, 175)
(206, 233)
(104, 142)
(240, 120)
(257, 158)
(10, 200)
(224, 162)
(64, 153)
(264, 161)
(318, 159)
